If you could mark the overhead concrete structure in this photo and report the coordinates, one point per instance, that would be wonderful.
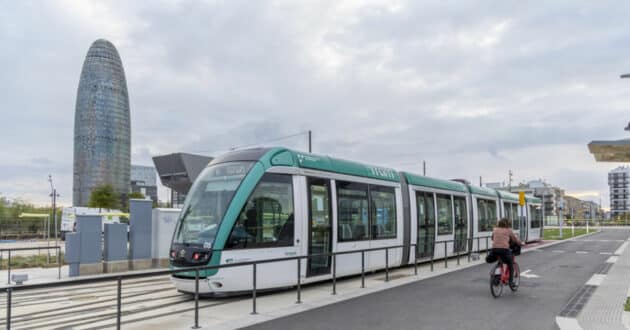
(178, 171)
(611, 151)
(102, 132)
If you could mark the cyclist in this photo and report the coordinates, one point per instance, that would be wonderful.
(502, 235)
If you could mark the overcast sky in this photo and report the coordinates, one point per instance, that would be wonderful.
(475, 88)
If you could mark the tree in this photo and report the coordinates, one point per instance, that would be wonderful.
(104, 197)
(135, 195)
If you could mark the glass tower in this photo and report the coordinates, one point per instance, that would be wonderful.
(102, 132)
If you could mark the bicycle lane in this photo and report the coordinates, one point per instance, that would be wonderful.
(462, 299)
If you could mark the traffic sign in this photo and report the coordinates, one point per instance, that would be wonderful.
(521, 198)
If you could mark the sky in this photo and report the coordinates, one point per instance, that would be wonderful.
(473, 88)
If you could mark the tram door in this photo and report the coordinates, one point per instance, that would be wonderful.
(461, 224)
(426, 224)
(524, 227)
(319, 226)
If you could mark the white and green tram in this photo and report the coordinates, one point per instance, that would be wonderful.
(270, 203)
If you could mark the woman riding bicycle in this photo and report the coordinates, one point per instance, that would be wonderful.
(502, 235)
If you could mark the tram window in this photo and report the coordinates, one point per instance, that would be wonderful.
(461, 216)
(383, 212)
(445, 214)
(267, 218)
(352, 211)
(486, 214)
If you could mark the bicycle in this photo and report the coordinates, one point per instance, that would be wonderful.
(500, 277)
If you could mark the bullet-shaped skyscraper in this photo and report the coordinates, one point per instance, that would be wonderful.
(102, 129)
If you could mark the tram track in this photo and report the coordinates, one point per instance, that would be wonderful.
(74, 296)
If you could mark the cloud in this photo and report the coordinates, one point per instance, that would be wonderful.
(472, 90)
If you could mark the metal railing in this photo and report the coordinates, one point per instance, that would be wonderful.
(48, 248)
(468, 249)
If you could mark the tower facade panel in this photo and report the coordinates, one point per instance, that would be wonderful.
(102, 129)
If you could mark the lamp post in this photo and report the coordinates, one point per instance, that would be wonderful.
(54, 195)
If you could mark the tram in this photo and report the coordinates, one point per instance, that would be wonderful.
(268, 203)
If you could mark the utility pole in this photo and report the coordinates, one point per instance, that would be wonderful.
(310, 146)
(54, 195)
(480, 182)
(424, 168)
(510, 180)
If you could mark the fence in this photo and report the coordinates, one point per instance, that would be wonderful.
(120, 277)
(48, 248)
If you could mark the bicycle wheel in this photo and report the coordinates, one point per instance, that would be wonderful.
(517, 278)
(496, 287)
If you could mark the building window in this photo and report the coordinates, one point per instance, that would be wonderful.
(445, 214)
(267, 218)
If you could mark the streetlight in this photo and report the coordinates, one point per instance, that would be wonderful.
(53, 196)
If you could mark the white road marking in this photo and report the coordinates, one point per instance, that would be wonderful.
(581, 252)
(620, 250)
(557, 251)
(526, 274)
(596, 279)
(606, 253)
(567, 323)
(612, 259)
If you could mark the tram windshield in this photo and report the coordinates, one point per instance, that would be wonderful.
(207, 202)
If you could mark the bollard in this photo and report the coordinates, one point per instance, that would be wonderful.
(334, 274)
(432, 262)
(458, 257)
(362, 269)
(299, 286)
(9, 308)
(254, 289)
(118, 303)
(445, 256)
(386, 264)
(478, 246)
(196, 326)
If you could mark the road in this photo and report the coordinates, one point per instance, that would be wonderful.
(461, 300)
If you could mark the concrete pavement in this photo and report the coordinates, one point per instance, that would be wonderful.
(460, 300)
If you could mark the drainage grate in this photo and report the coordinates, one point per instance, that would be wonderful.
(578, 301)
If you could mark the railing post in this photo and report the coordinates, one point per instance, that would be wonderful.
(334, 273)
(445, 255)
(386, 264)
(478, 246)
(458, 253)
(254, 289)
(58, 263)
(469, 246)
(432, 255)
(118, 303)
(487, 245)
(9, 269)
(415, 262)
(362, 269)
(9, 308)
(299, 286)
(196, 326)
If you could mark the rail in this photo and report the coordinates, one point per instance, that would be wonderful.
(466, 250)
(48, 248)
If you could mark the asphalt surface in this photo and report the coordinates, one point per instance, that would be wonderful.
(462, 300)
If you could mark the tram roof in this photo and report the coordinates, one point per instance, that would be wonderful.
(532, 199)
(484, 191)
(425, 181)
(508, 195)
(287, 157)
